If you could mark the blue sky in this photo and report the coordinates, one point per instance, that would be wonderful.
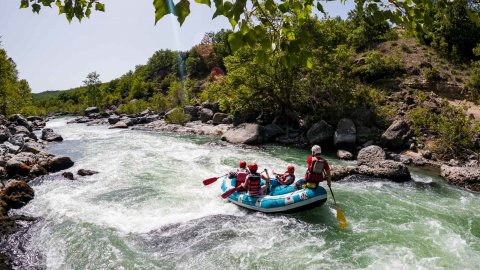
(54, 55)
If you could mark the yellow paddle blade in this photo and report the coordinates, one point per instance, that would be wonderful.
(342, 221)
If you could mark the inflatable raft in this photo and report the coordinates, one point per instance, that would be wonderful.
(281, 198)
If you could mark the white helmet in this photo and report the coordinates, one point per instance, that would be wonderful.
(316, 150)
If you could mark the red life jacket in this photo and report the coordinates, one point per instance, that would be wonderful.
(241, 176)
(285, 175)
(254, 189)
(315, 171)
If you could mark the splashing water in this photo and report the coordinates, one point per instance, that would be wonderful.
(148, 209)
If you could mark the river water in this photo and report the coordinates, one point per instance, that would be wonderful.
(148, 209)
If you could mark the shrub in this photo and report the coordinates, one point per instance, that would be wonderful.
(378, 67)
(133, 107)
(432, 75)
(178, 116)
(406, 48)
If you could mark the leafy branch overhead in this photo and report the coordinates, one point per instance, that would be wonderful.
(272, 25)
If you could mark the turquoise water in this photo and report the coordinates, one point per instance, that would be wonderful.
(147, 209)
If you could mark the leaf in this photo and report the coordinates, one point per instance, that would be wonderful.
(88, 12)
(310, 62)
(236, 41)
(181, 10)
(100, 6)
(219, 7)
(205, 2)
(162, 8)
(36, 8)
(320, 8)
(24, 4)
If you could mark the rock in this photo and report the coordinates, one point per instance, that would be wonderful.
(213, 106)
(206, 115)
(340, 172)
(292, 138)
(113, 119)
(79, 120)
(5, 133)
(426, 154)
(37, 170)
(15, 195)
(388, 169)
(192, 111)
(11, 147)
(145, 112)
(20, 120)
(120, 124)
(83, 172)
(68, 175)
(91, 110)
(343, 154)
(468, 177)
(245, 134)
(94, 116)
(396, 135)
(346, 134)
(57, 163)
(272, 131)
(370, 154)
(129, 121)
(218, 118)
(20, 130)
(50, 136)
(17, 167)
(320, 132)
(228, 120)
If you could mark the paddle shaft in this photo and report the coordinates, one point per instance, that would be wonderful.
(331, 191)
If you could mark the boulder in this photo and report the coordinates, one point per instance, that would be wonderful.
(320, 132)
(192, 111)
(228, 120)
(57, 163)
(20, 120)
(5, 133)
(396, 135)
(91, 110)
(50, 136)
(17, 167)
(340, 172)
(213, 106)
(271, 131)
(129, 121)
(68, 175)
(369, 154)
(218, 118)
(11, 148)
(145, 112)
(37, 170)
(120, 124)
(32, 147)
(346, 134)
(16, 194)
(206, 115)
(467, 177)
(20, 130)
(113, 119)
(388, 169)
(246, 134)
(83, 172)
(343, 154)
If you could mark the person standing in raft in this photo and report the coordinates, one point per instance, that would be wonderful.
(317, 167)
(241, 174)
(253, 182)
(288, 177)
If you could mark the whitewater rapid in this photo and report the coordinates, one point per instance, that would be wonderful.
(147, 209)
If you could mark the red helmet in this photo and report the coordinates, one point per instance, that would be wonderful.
(243, 164)
(290, 168)
(253, 167)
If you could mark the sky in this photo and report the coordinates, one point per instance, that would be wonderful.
(52, 54)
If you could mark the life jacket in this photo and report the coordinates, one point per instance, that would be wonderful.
(254, 189)
(315, 171)
(285, 175)
(241, 176)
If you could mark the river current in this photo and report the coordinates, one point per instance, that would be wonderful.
(147, 209)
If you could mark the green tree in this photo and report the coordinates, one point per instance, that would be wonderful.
(8, 83)
(92, 83)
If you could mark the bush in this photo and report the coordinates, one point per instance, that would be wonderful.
(178, 116)
(432, 75)
(406, 48)
(378, 67)
(133, 107)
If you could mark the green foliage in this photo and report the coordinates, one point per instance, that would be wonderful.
(473, 83)
(365, 30)
(377, 67)
(453, 130)
(406, 48)
(92, 83)
(178, 116)
(134, 107)
(432, 75)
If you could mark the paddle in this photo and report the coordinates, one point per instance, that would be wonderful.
(342, 221)
(229, 192)
(209, 181)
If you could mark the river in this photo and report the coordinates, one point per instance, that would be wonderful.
(148, 209)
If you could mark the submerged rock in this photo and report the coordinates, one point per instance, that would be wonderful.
(68, 175)
(468, 177)
(83, 172)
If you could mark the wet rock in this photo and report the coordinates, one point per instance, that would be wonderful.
(206, 115)
(113, 119)
(346, 134)
(50, 136)
(340, 172)
(343, 154)
(246, 134)
(57, 163)
(15, 195)
(468, 177)
(320, 132)
(17, 167)
(120, 124)
(396, 135)
(91, 110)
(37, 170)
(218, 118)
(5, 133)
(68, 175)
(388, 169)
(79, 120)
(83, 172)
(369, 154)
(129, 121)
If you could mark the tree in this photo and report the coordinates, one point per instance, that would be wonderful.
(7, 82)
(92, 82)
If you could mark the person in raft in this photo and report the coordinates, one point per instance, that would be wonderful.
(241, 173)
(317, 167)
(288, 177)
(253, 182)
